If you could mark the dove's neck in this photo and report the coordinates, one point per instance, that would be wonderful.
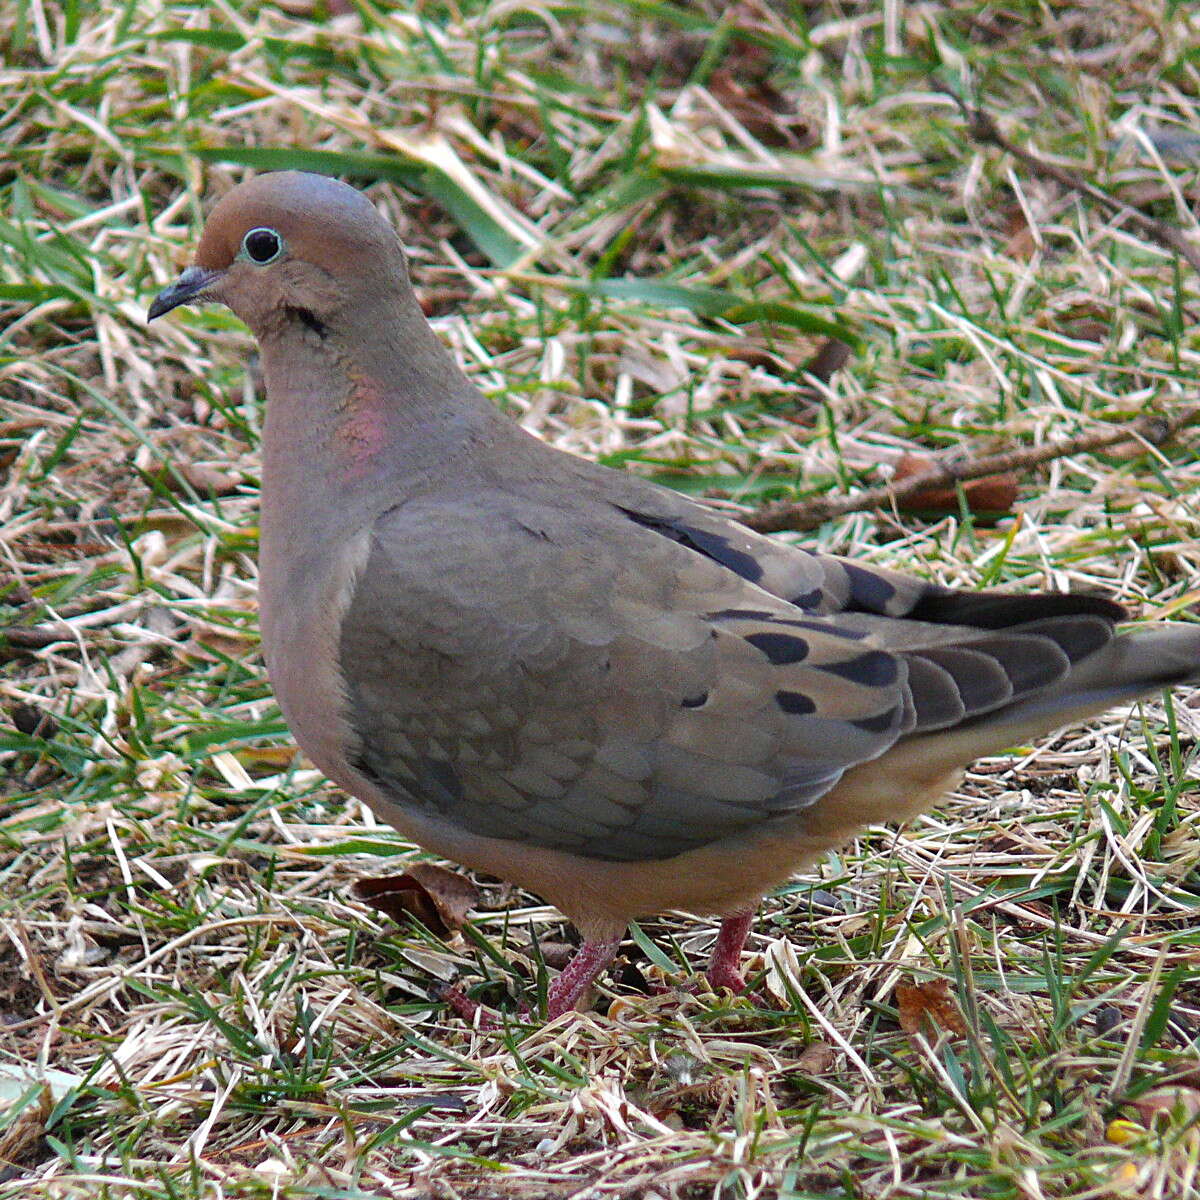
(356, 424)
(380, 409)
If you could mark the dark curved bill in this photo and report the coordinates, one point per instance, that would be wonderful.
(190, 286)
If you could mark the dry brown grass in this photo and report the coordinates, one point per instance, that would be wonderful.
(182, 963)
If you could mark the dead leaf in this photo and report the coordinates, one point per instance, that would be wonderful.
(1021, 240)
(761, 110)
(816, 1058)
(21, 1136)
(1004, 843)
(32, 720)
(1031, 914)
(204, 481)
(1164, 1103)
(754, 356)
(830, 357)
(1186, 1074)
(271, 758)
(928, 1007)
(1089, 329)
(438, 898)
(990, 494)
(1142, 194)
(556, 955)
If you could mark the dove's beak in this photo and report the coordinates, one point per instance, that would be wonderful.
(189, 287)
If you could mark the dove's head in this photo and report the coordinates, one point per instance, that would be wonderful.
(294, 251)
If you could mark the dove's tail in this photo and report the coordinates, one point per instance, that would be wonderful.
(1135, 663)
(1139, 662)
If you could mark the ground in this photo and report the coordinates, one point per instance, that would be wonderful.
(754, 251)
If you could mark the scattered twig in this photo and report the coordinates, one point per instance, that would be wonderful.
(983, 128)
(1153, 429)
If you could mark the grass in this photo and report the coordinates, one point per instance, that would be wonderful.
(635, 223)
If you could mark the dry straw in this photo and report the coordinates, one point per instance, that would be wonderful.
(635, 223)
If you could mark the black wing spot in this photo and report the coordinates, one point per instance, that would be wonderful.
(780, 648)
(869, 592)
(796, 703)
(807, 600)
(815, 624)
(540, 534)
(879, 723)
(694, 701)
(716, 547)
(875, 668)
(712, 545)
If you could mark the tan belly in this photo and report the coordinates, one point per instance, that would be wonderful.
(601, 898)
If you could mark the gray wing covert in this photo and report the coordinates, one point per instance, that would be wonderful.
(829, 584)
(966, 654)
(589, 685)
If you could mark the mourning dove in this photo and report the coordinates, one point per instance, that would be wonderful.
(570, 677)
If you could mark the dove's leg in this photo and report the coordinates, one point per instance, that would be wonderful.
(578, 975)
(727, 953)
(572, 982)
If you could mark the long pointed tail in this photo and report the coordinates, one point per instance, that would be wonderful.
(1135, 663)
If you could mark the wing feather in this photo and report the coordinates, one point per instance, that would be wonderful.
(631, 684)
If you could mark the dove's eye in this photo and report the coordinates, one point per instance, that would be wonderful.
(262, 246)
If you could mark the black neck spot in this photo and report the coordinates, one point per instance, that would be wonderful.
(307, 317)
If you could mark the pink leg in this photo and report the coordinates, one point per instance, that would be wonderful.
(726, 956)
(578, 975)
(573, 980)
(461, 1003)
